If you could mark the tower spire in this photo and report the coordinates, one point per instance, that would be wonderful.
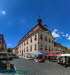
(39, 21)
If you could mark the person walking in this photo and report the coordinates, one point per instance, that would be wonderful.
(35, 59)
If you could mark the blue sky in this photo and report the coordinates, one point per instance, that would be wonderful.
(17, 17)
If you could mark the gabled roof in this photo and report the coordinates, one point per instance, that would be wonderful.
(59, 45)
(37, 27)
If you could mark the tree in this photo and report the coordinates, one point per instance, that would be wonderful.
(9, 50)
(68, 51)
(1, 49)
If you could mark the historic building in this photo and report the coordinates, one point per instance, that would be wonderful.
(3, 46)
(15, 50)
(38, 38)
(59, 48)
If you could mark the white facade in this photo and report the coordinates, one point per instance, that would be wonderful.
(34, 42)
(47, 42)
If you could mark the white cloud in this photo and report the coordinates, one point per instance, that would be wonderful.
(62, 33)
(9, 45)
(69, 37)
(2, 12)
(55, 34)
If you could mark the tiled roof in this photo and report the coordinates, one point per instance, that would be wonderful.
(37, 27)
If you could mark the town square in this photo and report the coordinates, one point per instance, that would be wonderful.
(34, 37)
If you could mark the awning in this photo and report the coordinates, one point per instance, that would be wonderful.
(68, 55)
(57, 54)
(50, 55)
(36, 53)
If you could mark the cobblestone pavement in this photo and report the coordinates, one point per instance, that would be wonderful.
(46, 68)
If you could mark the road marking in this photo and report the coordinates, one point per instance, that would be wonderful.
(16, 72)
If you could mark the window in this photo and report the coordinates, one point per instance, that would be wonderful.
(45, 47)
(24, 49)
(31, 48)
(31, 39)
(27, 49)
(24, 43)
(41, 37)
(49, 48)
(27, 41)
(35, 46)
(35, 37)
(22, 52)
(41, 47)
(49, 40)
(45, 38)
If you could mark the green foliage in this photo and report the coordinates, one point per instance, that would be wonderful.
(1, 48)
(9, 50)
(68, 51)
(53, 58)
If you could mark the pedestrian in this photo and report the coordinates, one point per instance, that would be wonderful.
(35, 59)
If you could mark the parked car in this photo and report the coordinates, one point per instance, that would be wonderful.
(41, 60)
